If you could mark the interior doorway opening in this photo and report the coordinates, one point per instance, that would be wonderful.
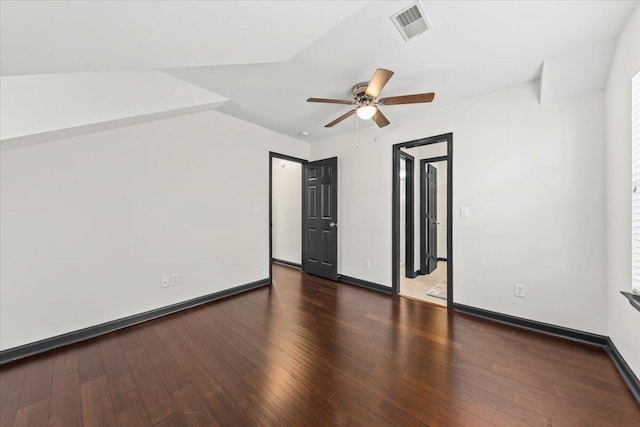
(285, 210)
(422, 214)
(303, 214)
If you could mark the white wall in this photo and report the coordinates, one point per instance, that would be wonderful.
(90, 224)
(287, 210)
(35, 104)
(623, 319)
(537, 213)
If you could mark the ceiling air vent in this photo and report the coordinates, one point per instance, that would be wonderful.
(411, 21)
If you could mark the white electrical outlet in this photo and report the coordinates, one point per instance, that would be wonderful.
(519, 290)
(175, 279)
(367, 264)
(164, 282)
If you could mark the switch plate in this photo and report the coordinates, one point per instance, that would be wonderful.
(164, 282)
(519, 290)
(464, 212)
(367, 264)
(257, 210)
(175, 279)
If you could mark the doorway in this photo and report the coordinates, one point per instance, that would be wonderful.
(303, 214)
(428, 232)
(285, 210)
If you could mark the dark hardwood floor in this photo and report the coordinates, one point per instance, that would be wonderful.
(311, 352)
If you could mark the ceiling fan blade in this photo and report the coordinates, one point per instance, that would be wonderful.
(341, 118)
(408, 99)
(380, 119)
(331, 101)
(379, 79)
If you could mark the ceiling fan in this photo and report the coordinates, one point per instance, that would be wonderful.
(364, 96)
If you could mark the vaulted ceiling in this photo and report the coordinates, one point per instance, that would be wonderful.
(267, 57)
(38, 37)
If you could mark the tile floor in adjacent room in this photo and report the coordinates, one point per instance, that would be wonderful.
(418, 287)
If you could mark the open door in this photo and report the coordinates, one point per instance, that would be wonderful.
(407, 161)
(320, 218)
(431, 219)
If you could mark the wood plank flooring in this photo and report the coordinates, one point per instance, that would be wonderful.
(307, 352)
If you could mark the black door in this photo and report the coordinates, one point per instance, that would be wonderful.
(320, 218)
(431, 219)
(409, 270)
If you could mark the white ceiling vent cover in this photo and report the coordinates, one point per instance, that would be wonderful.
(411, 21)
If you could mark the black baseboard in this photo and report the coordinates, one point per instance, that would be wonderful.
(634, 300)
(415, 274)
(411, 275)
(287, 263)
(625, 371)
(532, 325)
(442, 259)
(47, 344)
(558, 331)
(365, 284)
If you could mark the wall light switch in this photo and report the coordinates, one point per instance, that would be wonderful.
(257, 210)
(464, 212)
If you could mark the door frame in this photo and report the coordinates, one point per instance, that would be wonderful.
(274, 155)
(409, 238)
(423, 211)
(395, 211)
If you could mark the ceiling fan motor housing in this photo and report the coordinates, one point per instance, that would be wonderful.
(358, 93)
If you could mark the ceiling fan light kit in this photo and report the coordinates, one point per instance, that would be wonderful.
(364, 98)
(365, 112)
